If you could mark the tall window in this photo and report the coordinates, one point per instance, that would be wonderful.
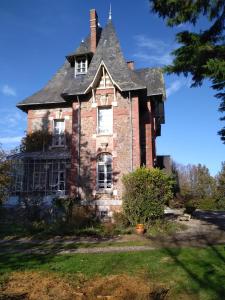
(59, 133)
(57, 177)
(104, 171)
(81, 66)
(105, 120)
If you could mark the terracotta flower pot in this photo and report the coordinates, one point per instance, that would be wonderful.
(140, 229)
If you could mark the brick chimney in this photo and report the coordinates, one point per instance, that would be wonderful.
(93, 29)
(130, 64)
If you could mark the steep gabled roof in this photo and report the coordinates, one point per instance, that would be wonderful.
(109, 52)
(51, 93)
(84, 47)
(153, 79)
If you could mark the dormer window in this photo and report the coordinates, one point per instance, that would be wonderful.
(81, 64)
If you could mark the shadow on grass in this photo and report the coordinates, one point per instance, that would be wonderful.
(205, 271)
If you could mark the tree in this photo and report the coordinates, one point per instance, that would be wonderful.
(220, 191)
(36, 141)
(202, 54)
(195, 181)
(4, 175)
(145, 193)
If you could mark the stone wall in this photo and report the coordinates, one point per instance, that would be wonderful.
(129, 119)
(42, 119)
(118, 144)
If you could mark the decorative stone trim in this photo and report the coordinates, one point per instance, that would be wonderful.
(114, 154)
(115, 192)
(93, 104)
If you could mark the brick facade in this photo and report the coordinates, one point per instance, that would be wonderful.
(131, 96)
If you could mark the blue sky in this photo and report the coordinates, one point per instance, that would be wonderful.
(35, 36)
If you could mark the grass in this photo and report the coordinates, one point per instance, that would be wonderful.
(198, 272)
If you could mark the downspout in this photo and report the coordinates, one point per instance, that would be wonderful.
(131, 126)
(78, 150)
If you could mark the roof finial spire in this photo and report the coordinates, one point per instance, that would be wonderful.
(110, 12)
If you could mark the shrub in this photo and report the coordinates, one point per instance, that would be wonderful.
(145, 193)
(76, 215)
(190, 206)
(83, 216)
(207, 204)
(120, 220)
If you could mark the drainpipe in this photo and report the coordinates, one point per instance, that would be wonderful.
(78, 150)
(131, 126)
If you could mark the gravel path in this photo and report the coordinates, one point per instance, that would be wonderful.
(206, 228)
(94, 250)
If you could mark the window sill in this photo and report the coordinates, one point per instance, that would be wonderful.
(104, 191)
(104, 134)
(58, 146)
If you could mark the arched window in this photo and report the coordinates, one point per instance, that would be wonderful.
(104, 171)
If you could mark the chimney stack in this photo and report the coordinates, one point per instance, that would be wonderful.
(130, 64)
(93, 29)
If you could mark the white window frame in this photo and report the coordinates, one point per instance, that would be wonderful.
(58, 172)
(105, 185)
(82, 69)
(60, 137)
(99, 130)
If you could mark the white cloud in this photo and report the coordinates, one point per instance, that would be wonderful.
(174, 87)
(154, 51)
(8, 90)
(177, 84)
(163, 59)
(149, 43)
(10, 140)
(13, 120)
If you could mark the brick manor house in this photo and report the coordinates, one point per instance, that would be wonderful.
(104, 117)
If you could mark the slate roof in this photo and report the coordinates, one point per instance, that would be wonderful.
(84, 48)
(51, 93)
(153, 79)
(108, 51)
(64, 84)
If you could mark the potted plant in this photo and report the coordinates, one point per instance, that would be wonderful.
(140, 228)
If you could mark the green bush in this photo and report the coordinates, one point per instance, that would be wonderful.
(207, 204)
(220, 203)
(120, 220)
(190, 206)
(145, 193)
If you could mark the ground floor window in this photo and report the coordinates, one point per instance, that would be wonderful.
(46, 176)
(104, 171)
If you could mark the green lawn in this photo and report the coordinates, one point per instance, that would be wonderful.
(198, 272)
